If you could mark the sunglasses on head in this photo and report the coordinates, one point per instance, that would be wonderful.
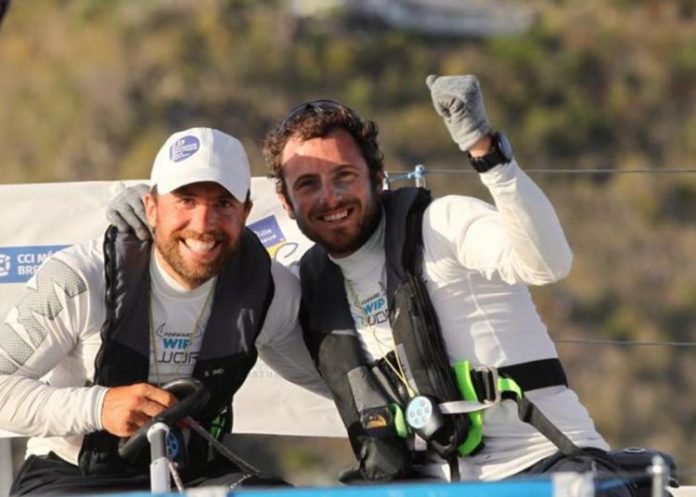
(316, 107)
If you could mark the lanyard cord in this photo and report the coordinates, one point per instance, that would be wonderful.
(383, 347)
(153, 337)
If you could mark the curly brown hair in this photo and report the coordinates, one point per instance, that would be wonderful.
(315, 119)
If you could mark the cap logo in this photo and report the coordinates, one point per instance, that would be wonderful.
(184, 148)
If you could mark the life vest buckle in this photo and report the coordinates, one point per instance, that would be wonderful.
(486, 385)
(377, 422)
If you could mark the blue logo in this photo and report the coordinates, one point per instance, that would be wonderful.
(173, 445)
(18, 264)
(268, 231)
(184, 147)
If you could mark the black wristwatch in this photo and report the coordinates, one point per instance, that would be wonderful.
(500, 153)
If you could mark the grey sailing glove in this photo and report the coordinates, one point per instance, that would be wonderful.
(127, 212)
(458, 99)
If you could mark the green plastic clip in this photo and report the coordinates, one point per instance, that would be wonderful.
(462, 370)
(400, 421)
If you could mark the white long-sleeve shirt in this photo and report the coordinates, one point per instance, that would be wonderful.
(478, 261)
(49, 341)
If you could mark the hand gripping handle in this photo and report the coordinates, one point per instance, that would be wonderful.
(192, 395)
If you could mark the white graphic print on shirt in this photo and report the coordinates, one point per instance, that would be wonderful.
(176, 348)
(179, 318)
(371, 311)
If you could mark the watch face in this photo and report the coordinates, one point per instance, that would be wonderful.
(504, 147)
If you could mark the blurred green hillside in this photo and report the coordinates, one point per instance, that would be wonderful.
(89, 89)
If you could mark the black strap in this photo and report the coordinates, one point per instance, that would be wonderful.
(412, 254)
(453, 462)
(531, 375)
(530, 413)
(534, 375)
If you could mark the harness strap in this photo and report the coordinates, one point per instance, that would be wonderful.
(534, 375)
(464, 406)
(488, 384)
(530, 413)
(485, 387)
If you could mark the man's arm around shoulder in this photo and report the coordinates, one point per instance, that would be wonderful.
(281, 344)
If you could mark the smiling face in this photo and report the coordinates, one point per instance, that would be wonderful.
(329, 191)
(196, 230)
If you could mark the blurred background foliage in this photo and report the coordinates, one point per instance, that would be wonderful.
(89, 89)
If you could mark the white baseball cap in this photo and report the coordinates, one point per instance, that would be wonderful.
(201, 154)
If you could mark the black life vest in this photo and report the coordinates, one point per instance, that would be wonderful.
(243, 293)
(364, 392)
(334, 344)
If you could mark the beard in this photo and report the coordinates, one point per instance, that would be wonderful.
(195, 274)
(341, 243)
